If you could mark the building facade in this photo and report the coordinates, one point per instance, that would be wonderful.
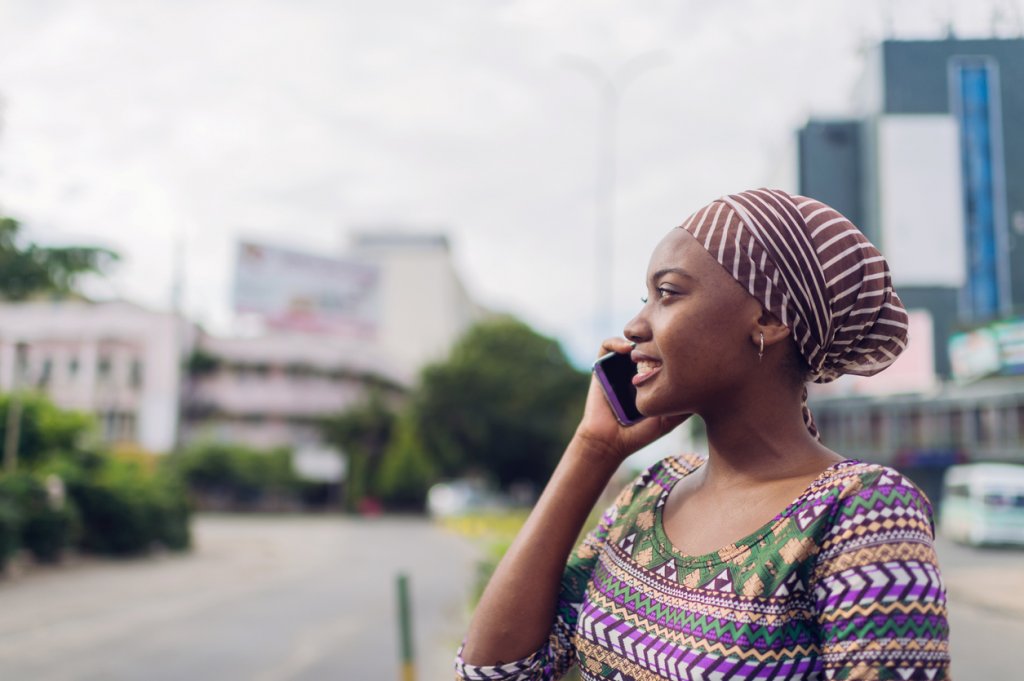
(116, 360)
(274, 390)
(154, 380)
(931, 167)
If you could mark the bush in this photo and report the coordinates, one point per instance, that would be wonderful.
(230, 476)
(44, 530)
(127, 510)
(44, 429)
(9, 525)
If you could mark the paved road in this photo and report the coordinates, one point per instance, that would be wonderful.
(261, 599)
(986, 610)
(304, 599)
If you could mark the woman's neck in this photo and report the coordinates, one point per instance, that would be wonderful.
(763, 439)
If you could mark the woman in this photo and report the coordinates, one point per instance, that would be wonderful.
(773, 558)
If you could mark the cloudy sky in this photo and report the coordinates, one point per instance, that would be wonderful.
(141, 125)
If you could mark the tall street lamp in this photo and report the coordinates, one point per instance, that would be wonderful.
(610, 87)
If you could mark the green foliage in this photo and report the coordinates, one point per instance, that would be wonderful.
(234, 476)
(200, 363)
(44, 530)
(115, 503)
(128, 507)
(504, 403)
(363, 433)
(406, 473)
(31, 269)
(10, 530)
(45, 430)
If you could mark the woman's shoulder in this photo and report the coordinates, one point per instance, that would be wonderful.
(866, 488)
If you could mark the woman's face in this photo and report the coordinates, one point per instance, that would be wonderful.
(695, 333)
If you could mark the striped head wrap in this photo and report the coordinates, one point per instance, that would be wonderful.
(816, 272)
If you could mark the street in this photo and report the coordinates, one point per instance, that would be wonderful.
(986, 609)
(259, 598)
(268, 598)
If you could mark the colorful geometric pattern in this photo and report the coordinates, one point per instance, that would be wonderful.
(843, 584)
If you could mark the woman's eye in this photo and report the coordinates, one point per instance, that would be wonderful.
(660, 293)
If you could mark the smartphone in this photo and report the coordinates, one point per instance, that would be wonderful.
(615, 372)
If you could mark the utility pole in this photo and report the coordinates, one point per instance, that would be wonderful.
(12, 430)
(610, 89)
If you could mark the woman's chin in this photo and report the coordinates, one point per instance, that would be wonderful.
(650, 408)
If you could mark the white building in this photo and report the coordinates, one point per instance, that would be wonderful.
(423, 305)
(116, 360)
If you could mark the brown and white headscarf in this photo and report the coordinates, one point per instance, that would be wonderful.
(816, 272)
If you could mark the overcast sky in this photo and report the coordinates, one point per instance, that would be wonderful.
(137, 125)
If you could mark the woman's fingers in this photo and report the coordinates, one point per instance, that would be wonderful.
(615, 344)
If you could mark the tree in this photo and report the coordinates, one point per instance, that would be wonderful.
(363, 433)
(505, 404)
(406, 473)
(30, 270)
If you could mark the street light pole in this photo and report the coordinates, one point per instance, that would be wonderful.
(12, 428)
(610, 90)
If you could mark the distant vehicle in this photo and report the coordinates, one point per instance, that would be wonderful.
(983, 503)
(459, 497)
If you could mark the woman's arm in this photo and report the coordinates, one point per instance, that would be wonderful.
(515, 614)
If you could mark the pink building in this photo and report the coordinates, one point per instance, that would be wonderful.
(272, 390)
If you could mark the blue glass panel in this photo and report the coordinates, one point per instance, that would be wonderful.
(979, 194)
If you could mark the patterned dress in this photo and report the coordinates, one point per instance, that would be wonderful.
(843, 584)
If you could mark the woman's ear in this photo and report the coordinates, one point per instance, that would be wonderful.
(774, 330)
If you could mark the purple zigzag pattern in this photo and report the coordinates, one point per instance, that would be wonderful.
(606, 631)
(880, 582)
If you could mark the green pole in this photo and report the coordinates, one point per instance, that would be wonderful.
(405, 628)
(12, 434)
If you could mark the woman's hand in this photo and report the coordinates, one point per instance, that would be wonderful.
(603, 434)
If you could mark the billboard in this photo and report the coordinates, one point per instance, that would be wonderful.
(921, 200)
(299, 291)
(994, 349)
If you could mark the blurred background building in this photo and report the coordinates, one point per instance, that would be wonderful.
(931, 168)
(930, 165)
(116, 360)
(322, 332)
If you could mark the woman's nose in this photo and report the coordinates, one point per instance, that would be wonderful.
(636, 329)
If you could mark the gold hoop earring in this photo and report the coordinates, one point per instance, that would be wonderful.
(760, 350)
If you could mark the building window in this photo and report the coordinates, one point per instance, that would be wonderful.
(20, 363)
(45, 372)
(128, 430)
(104, 367)
(73, 368)
(975, 100)
(136, 374)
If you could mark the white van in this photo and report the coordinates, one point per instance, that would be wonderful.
(983, 503)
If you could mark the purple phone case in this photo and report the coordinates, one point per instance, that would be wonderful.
(609, 394)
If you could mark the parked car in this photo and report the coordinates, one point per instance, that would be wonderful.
(983, 503)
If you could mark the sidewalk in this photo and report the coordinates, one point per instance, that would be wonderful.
(991, 588)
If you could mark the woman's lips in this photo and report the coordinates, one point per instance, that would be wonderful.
(645, 369)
